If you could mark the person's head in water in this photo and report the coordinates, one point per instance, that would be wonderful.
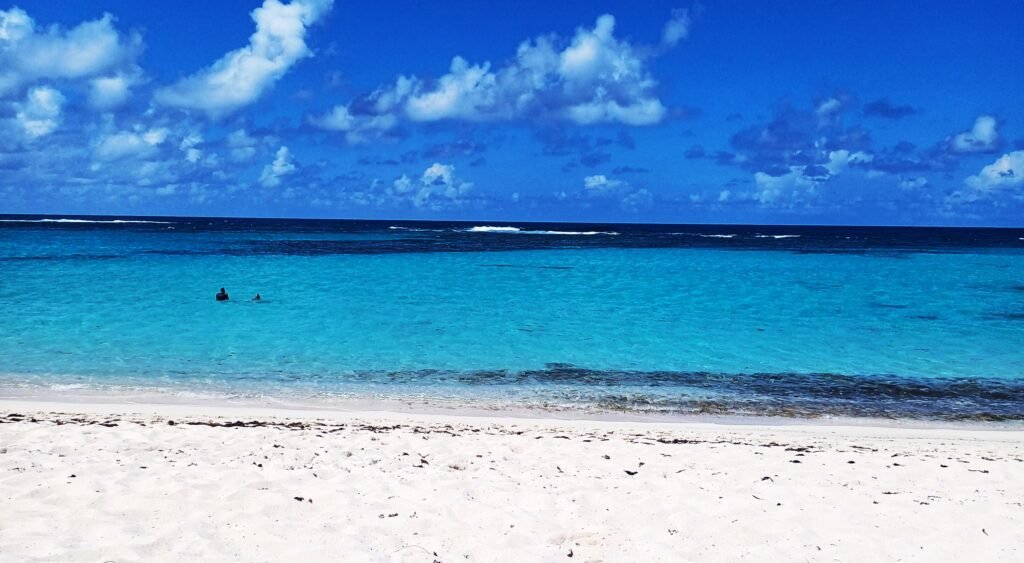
(223, 295)
(257, 298)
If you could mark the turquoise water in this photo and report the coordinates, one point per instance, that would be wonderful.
(352, 308)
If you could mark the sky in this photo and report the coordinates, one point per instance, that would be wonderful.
(770, 112)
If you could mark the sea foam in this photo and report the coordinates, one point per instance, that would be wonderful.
(518, 231)
(105, 222)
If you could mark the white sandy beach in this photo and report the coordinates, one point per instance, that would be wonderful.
(90, 482)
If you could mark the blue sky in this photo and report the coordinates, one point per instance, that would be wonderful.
(814, 112)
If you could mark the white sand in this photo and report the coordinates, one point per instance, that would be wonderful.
(447, 488)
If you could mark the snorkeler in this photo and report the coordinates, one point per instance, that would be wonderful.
(223, 295)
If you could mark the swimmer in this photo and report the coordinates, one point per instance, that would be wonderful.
(223, 295)
(257, 298)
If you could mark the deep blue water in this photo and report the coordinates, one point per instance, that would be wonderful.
(924, 322)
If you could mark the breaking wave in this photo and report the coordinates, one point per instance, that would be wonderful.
(417, 230)
(105, 222)
(518, 231)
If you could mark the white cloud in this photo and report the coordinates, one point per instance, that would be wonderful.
(772, 189)
(983, 137)
(403, 184)
(357, 129)
(464, 93)
(828, 111)
(437, 173)
(800, 182)
(601, 183)
(189, 144)
(840, 160)
(828, 107)
(437, 188)
(131, 144)
(89, 49)
(241, 146)
(280, 167)
(241, 76)
(591, 78)
(645, 112)
(1006, 172)
(109, 92)
(640, 200)
(15, 25)
(39, 114)
(677, 28)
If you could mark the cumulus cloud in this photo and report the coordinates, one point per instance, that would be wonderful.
(840, 160)
(107, 163)
(241, 146)
(239, 78)
(798, 150)
(39, 114)
(357, 129)
(609, 190)
(635, 202)
(829, 110)
(1005, 173)
(140, 143)
(466, 92)
(438, 187)
(601, 183)
(789, 186)
(593, 77)
(189, 145)
(982, 138)
(28, 54)
(403, 184)
(676, 28)
(282, 166)
(109, 92)
(798, 153)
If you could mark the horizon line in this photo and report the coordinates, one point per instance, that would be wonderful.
(526, 222)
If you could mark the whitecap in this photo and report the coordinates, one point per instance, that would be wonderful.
(571, 233)
(702, 235)
(777, 236)
(518, 231)
(490, 229)
(416, 230)
(111, 221)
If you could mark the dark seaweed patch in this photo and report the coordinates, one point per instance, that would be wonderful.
(778, 394)
(1007, 316)
(526, 267)
(890, 306)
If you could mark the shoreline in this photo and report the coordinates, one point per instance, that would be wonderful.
(161, 403)
(880, 400)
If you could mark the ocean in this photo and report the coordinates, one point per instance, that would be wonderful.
(779, 320)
